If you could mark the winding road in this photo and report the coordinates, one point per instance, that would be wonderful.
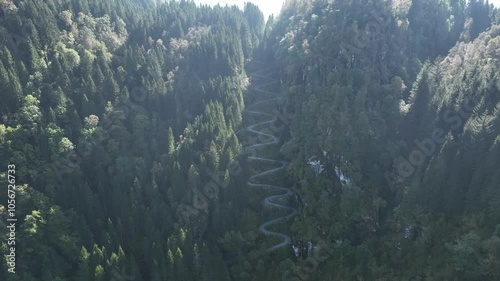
(266, 138)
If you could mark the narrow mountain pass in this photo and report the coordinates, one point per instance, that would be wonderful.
(266, 137)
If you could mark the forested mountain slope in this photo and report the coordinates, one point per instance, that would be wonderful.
(135, 158)
(394, 136)
(457, 98)
(114, 113)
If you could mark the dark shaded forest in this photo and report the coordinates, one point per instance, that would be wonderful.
(134, 127)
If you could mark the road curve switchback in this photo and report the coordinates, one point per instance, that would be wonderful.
(266, 137)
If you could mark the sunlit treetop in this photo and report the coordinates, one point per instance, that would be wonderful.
(268, 7)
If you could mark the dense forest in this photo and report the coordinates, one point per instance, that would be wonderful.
(114, 113)
(165, 140)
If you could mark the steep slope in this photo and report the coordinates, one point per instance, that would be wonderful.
(393, 147)
(118, 119)
(270, 201)
(115, 114)
(448, 168)
(459, 96)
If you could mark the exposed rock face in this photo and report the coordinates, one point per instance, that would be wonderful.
(410, 232)
(342, 176)
(310, 248)
(316, 165)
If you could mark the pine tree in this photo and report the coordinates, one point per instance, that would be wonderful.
(171, 141)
